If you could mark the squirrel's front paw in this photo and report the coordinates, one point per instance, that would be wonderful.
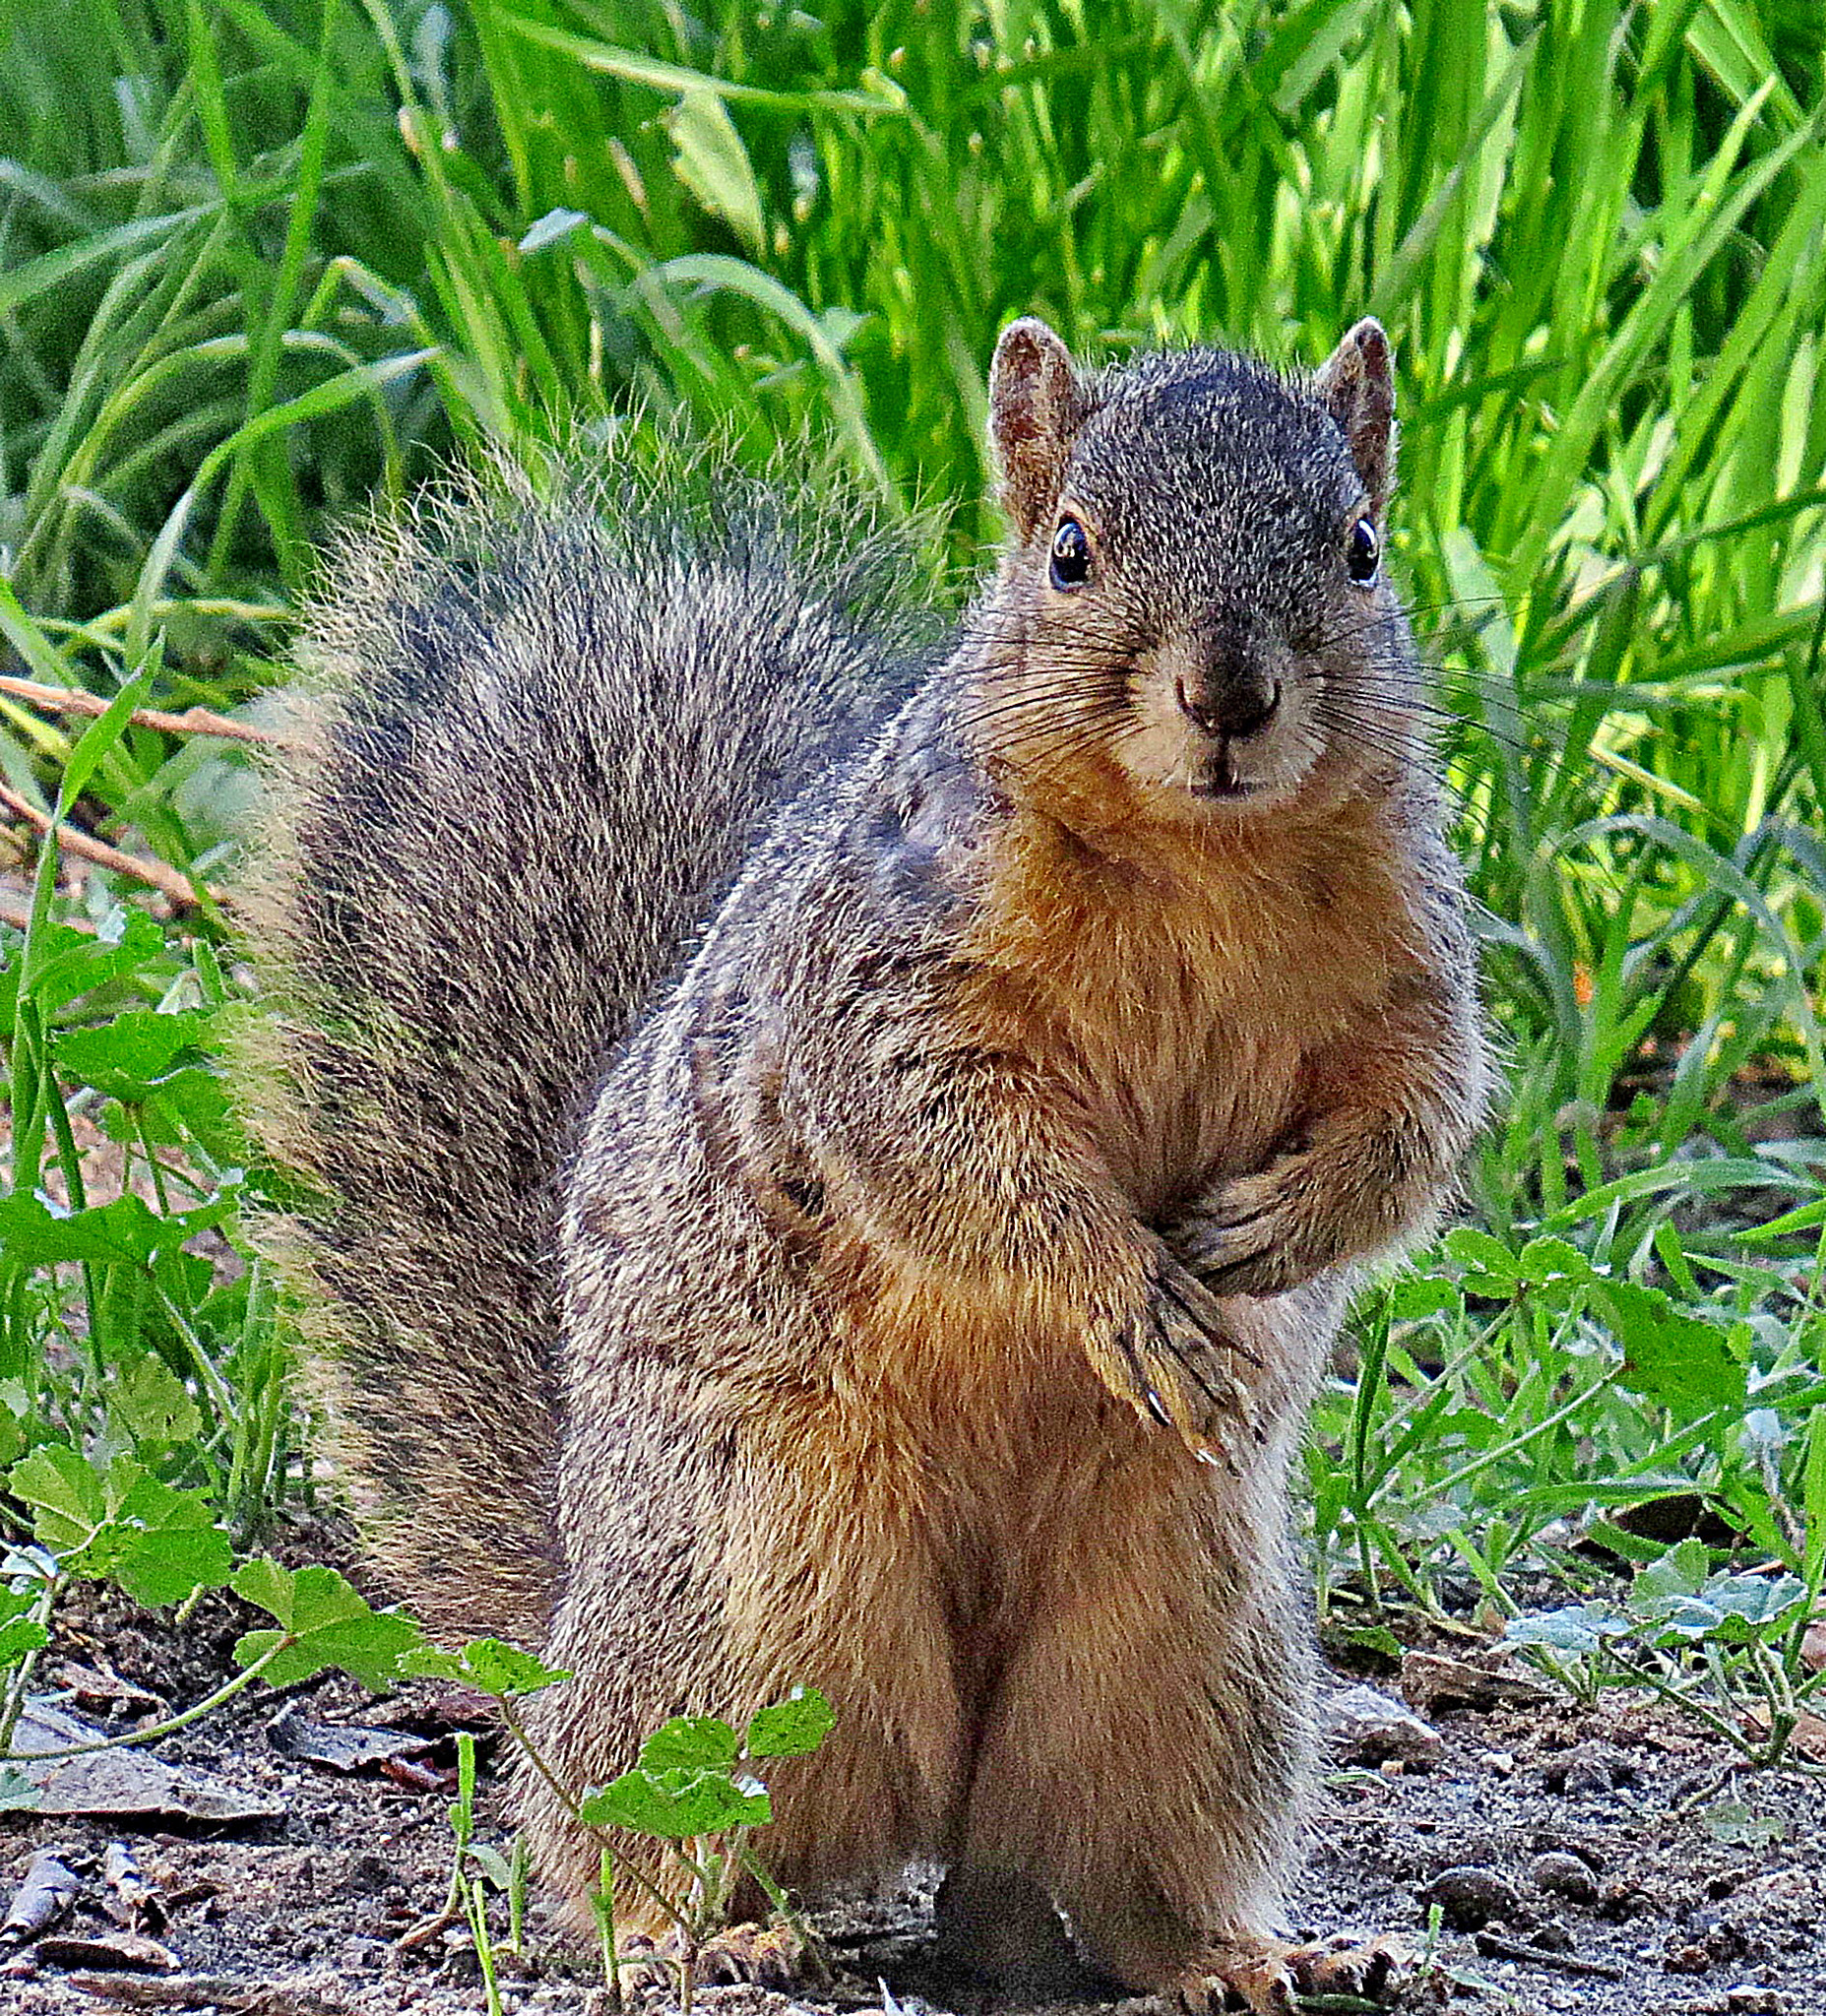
(1259, 1234)
(1175, 1362)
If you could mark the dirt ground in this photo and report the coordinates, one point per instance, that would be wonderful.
(1540, 1828)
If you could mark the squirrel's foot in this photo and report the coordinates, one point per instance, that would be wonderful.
(1267, 1978)
(1178, 1363)
(769, 1955)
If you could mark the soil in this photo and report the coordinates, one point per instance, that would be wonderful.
(1645, 1911)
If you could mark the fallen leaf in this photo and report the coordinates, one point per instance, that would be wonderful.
(47, 1892)
(129, 1952)
(340, 1747)
(123, 1782)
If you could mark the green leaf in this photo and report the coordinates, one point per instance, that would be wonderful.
(1418, 1298)
(1680, 1572)
(152, 1404)
(18, 1793)
(793, 1727)
(1673, 1360)
(124, 1056)
(674, 1805)
(65, 1491)
(710, 161)
(172, 1545)
(72, 964)
(1489, 1266)
(20, 1631)
(158, 1543)
(124, 1230)
(490, 1664)
(1545, 1260)
(690, 1743)
(1750, 1604)
(1579, 1629)
(329, 1621)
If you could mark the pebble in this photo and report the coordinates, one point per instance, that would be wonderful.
(1591, 1769)
(1563, 1875)
(1470, 1897)
(1369, 1728)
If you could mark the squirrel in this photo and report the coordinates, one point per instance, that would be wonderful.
(830, 1159)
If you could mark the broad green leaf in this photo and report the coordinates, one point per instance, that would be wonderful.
(158, 1543)
(1750, 1604)
(173, 1545)
(1674, 1359)
(331, 1622)
(690, 1743)
(1489, 1266)
(489, 1664)
(152, 1404)
(1578, 1628)
(18, 1793)
(1682, 1571)
(1545, 1260)
(66, 1493)
(793, 1727)
(20, 1631)
(124, 1056)
(674, 1805)
(1416, 1297)
(124, 1230)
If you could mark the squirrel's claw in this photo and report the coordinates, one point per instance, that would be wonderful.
(1266, 1977)
(1176, 1363)
(770, 1956)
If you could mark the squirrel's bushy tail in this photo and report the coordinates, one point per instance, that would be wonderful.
(536, 735)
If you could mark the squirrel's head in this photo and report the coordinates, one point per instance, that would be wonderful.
(1195, 594)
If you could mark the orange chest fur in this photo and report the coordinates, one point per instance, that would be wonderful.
(1180, 1001)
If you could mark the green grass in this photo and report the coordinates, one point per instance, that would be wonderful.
(258, 262)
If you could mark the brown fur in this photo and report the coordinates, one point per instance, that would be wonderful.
(949, 1256)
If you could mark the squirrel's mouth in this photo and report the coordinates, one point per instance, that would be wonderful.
(1221, 780)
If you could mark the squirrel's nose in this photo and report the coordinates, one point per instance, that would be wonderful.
(1234, 709)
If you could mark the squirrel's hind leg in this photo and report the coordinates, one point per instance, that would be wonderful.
(1144, 1758)
(714, 1560)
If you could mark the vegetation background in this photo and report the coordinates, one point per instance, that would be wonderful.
(259, 262)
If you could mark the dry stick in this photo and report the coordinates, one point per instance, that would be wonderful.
(1497, 1947)
(194, 721)
(155, 874)
(209, 1991)
(19, 915)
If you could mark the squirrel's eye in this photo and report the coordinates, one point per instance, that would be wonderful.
(1365, 553)
(1071, 554)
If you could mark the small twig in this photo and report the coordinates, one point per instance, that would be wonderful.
(158, 875)
(209, 1991)
(19, 915)
(194, 721)
(1498, 1948)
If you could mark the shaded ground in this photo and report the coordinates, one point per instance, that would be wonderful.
(1566, 1818)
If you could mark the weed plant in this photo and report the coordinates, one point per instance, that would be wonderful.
(259, 262)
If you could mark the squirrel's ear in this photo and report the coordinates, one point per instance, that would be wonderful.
(1358, 382)
(1035, 405)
